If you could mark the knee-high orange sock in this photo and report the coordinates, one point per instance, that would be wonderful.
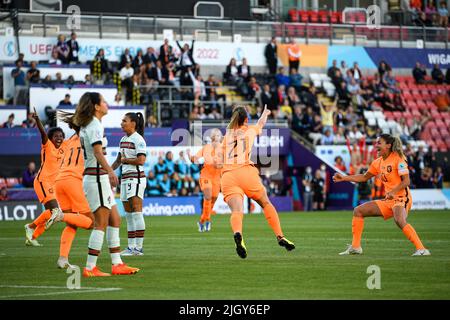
(77, 220)
(40, 229)
(43, 217)
(272, 218)
(67, 237)
(412, 236)
(236, 221)
(206, 214)
(357, 230)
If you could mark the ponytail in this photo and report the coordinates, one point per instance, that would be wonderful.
(68, 117)
(395, 142)
(238, 117)
(137, 118)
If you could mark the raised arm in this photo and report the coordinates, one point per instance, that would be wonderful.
(44, 136)
(353, 178)
(263, 119)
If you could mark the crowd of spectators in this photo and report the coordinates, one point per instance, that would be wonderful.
(430, 13)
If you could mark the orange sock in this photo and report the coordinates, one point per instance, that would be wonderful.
(357, 230)
(77, 220)
(43, 217)
(40, 229)
(412, 236)
(236, 221)
(206, 214)
(272, 218)
(67, 237)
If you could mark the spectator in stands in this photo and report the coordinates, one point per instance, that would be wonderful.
(386, 102)
(87, 79)
(340, 164)
(254, 90)
(297, 118)
(351, 117)
(281, 78)
(344, 67)
(327, 138)
(398, 102)
(70, 81)
(383, 67)
(354, 135)
(318, 187)
(29, 122)
(201, 113)
(331, 72)
(355, 92)
(215, 114)
(316, 130)
(231, 75)
(118, 100)
(401, 130)
(153, 188)
(152, 122)
(20, 89)
(309, 98)
(438, 178)
(194, 114)
(62, 49)
(442, 100)
(295, 80)
(28, 175)
(443, 15)
(270, 52)
(431, 12)
(73, 48)
(150, 57)
(99, 66)
(54, 60)
(437, 75)
(126, 75)
(421, 20)
(4, 194)
(186, 56)
(389, 82)
(160, 73)
(10, 122)
(356, 72)
(66, 101)
(327, 114)
(343, 95)
(138, 60)
(125, 58)
(294, 54)
(244, 71)
(292, 97)
(164, 185)
(267, 98)
(349, 76)
(166, 52)
(160, 168)
(170, 164)
(33, 74)
(307, 189)
(59, 79)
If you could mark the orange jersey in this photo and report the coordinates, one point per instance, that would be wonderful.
(72, 164)
(210, 154)
(50, 162)
(237, 147)
(391, 171)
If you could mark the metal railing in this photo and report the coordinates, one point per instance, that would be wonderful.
(151, 28)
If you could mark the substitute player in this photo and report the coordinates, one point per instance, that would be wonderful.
(240, 176)
(132, 158)
(392, 167)
(70, 195)
(97, 181)
(52, 152)
(209, 177)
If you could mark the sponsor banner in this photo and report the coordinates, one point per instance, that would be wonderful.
(205, 53)
(407, 57)
(313, 55)
(424, 199)
(19, 210)
(351, 54)
(168, 206)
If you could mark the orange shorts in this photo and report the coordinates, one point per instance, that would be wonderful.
(212, 183)
(44, 191)
(386, 206)
(70, 195)
(244, 180)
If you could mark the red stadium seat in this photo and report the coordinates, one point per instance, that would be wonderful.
(293, 15)
(447, 142)
(443, 131)
(439, 123)
(389, 115)
(409, 122)
(313, 16)
(304, 16)
(336, 17)
(323, 16)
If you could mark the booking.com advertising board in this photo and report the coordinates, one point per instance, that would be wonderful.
(220, 53)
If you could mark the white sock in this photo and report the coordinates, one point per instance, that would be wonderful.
(95, 244)
(139, 222)
(131, 230)
(112, 236)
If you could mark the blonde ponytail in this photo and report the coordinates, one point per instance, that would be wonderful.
(397, 147)
(237, 118)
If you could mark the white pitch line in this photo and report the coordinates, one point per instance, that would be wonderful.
(81, 290)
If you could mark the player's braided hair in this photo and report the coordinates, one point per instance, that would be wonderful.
(395, 142)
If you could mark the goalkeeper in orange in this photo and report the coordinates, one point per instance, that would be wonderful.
(392, 167)
(209, 177)
(240, 176)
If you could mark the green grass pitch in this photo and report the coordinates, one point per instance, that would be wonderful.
(181, 263)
